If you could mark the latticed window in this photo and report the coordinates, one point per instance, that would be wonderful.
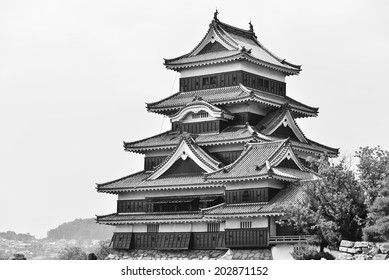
(153, 228)
(245, 224)
(213, 227)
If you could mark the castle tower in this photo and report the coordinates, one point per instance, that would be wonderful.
(217, 179)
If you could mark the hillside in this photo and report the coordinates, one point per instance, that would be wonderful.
(81, 229)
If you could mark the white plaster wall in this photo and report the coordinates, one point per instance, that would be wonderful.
(254, 184)
(260, 222)
(233, 66)
(166, 193)
(139, 228)
(199, 227)
(225, 148)
(158, 153)
(248, 107)
(175, 227)
(123, 228)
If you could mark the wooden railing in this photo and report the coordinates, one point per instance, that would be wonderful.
(288, 239)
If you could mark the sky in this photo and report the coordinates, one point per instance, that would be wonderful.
(75, 76)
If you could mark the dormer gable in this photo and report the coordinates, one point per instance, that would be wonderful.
(187, 155)
(200, 110)
(281, 123)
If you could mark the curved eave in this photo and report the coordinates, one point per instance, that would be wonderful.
(253, 178)
(298, 112)
(241, 56)
(141, 150)
(162, 188)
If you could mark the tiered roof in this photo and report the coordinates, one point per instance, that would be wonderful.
(260, 161)
(218, 213)
(286, 196)
(225, 43)
(230, 95)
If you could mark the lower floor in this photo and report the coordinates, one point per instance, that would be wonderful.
(260, 232)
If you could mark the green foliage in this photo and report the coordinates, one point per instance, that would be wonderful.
(374, 176)
(72, 253)
(373, 168)
(103, 250)
(11, 235)
(81, 229)
(332, 206)
(309, 253)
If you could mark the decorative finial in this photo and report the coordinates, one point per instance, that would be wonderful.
(215, 15)
(251, 26)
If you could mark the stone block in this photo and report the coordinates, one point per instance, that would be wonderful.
(346, 243)
(361, 257)
(384, 247)
(380, 257)
(344, 256)
(361, 244)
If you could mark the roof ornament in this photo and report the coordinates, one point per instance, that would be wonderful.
(251, 26)
(215, 15)
(197, 98)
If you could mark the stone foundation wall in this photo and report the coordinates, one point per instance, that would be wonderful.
(363, 250)
(254, 254)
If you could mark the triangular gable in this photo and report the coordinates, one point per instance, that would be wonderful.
(212, 47)
(282, 122)
(285, 157)
(187, 149)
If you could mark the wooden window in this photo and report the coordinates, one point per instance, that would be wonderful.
(200, 115)
(213, 80)
(266, 83)
(121, 240)
(205, 81)
(245, 224)
(213, 227)
(153, 228)
(246, 196)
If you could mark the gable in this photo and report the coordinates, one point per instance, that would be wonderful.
(285, 132)
(288, 163)
(183, 167)
(212, 47)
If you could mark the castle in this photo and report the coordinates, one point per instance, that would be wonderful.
(231, 160)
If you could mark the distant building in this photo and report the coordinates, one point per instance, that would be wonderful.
(217, 179)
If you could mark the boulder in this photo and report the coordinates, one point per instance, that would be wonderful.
(344, 256)
(361, 257)
(361, 244)
(346, 243)
(384, 247)
(380, 257)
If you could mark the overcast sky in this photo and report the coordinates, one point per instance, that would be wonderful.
(75, 76)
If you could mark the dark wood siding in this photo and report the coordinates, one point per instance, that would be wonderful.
(241, 238)
(144, 240)
(249, 195)
(208, 240)
(233, 78)
(162, 241)
(199, 127)
(227, 157)
(121, 240)
(151, 162)
(127, 206)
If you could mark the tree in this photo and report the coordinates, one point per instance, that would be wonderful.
(332, 206)
(104, 250)
(72, 253)
(373, 170)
